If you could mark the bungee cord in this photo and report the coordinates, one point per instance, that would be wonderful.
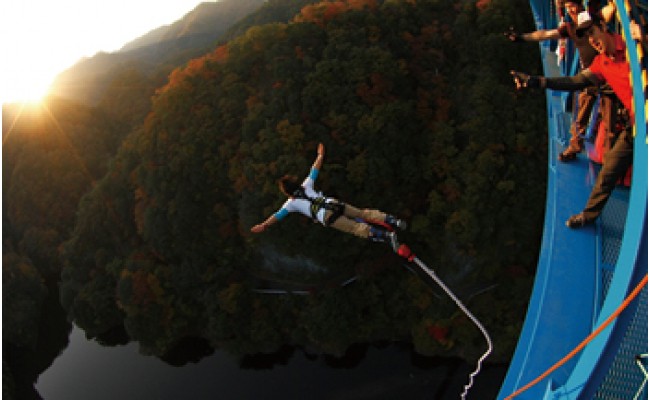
(638, 358)
(405, 252)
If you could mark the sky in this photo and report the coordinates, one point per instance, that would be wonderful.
(41, 38)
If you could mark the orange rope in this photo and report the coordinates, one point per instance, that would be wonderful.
(589, 338)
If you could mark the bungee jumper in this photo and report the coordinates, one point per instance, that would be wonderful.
(371, 224)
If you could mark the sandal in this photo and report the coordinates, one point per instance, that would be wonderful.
(569, 154)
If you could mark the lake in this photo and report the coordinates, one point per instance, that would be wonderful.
(87, 370)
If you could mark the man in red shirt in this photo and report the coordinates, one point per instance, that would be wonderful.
(586, 98)
(610, 66)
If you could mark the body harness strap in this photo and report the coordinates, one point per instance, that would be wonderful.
(318, 203)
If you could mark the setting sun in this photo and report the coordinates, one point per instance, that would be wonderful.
(30, 90)
(40, 39)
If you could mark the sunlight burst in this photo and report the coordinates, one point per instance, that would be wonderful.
(32, 90)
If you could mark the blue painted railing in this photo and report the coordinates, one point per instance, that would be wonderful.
(577, 286)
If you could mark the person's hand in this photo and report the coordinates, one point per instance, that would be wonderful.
(321, 149)
(525, 81)
(259, 228)
(512, 35)
(635, 31)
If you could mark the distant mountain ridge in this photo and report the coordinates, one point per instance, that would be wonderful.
(165, 47)
(206, 18)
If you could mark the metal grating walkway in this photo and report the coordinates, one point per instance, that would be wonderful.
(624, 377)
(611, 236)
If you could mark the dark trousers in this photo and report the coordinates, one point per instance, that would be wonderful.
(616, 163)
(586, 100)
(609, 112)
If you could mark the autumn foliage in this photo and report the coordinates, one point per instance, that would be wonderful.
(322, 13)
(415, 107)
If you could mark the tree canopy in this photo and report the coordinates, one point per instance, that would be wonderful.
(415, 106)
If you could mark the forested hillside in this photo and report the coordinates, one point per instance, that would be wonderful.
(51, 155)
(418, 115)
(414, 104)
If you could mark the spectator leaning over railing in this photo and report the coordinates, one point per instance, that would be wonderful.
(587, 97)
(609, 66)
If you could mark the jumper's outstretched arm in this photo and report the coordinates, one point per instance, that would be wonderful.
(318, 163)
(262, 227)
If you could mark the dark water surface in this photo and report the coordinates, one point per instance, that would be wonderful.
(86, 370)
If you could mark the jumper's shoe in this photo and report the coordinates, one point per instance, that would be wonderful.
(383, 236)
(377, 234)
(395, 222)
(392, 240)
(578, 221)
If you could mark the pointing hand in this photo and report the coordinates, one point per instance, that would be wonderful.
(525, 81)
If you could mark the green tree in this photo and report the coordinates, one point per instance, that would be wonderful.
(22, 300)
